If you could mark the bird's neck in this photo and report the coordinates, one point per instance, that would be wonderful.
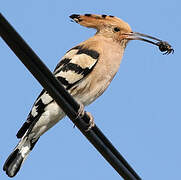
(106, 42)
(108, 46)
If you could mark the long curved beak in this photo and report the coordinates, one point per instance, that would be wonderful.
(163, 45)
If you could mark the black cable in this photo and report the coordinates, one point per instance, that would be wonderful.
(64, 99)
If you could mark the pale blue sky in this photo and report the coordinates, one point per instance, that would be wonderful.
(140, 112)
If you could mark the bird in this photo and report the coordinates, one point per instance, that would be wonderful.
(85, 71)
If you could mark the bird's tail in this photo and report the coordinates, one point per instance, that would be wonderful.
(18, 156)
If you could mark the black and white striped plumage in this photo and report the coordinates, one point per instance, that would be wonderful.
(85, 71)
(72, 69)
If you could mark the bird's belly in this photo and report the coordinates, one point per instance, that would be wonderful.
(90, 89)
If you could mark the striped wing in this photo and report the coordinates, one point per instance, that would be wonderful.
(74, 66)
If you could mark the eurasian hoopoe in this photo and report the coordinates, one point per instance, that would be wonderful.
(85, 71)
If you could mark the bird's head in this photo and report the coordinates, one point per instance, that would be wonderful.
(117, 29)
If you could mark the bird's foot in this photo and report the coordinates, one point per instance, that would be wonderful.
(91, 122)
(81, 113)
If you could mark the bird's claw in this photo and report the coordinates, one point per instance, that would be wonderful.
(81, 113)
(91, 122)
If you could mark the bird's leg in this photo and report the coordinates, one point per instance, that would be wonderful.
(81, 113)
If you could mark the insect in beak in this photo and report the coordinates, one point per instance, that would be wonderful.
(163, 45)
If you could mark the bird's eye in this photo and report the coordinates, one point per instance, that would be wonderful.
(116, 29)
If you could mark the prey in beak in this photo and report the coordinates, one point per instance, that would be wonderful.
(163, 45)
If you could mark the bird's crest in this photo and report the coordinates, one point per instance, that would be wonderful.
(99, 21)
